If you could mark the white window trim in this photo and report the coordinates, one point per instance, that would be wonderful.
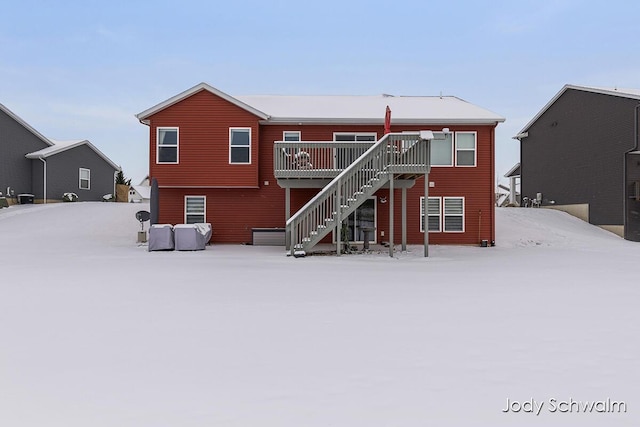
(440, 217)
(453, 154)
(475, 149)
(80, 179)
(158, 129)
(231, 129)
(355, 134)
(374, 134)
(191, 196)
(444, 214)
(292, 131)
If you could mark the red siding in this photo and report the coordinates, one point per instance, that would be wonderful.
(204, 122)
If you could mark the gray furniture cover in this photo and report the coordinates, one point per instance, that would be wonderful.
(161, 237)
(192, 237)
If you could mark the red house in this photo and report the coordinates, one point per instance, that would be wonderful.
(309, 163)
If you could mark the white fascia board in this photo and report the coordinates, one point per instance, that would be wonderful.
(566, 87)
(394, 122)
(187, 93)
(25, 125)
(53, 150)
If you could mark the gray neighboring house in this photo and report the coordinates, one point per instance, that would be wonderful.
(580, 154)
(17, 139)
(31, 163)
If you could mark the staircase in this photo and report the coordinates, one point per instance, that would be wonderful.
(398, 155)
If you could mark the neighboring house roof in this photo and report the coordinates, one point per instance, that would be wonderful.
(61, 146)
(348, 109)
(623, 93)
(514, 171)
(143, 190)
(25, 125)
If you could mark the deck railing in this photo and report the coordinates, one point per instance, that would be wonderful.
(392, 154)
(311, 159)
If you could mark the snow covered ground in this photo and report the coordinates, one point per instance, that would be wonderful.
(96, 331)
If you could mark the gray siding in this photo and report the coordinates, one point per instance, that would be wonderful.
(575, 153)
(15, 143)
(632, 228)
(63, 175)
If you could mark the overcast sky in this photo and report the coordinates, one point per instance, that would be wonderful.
(83, 69)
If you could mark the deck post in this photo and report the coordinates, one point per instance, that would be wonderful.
(404, 219)
(391, 202)
(338, 206)
(287, 214)
(426, 197)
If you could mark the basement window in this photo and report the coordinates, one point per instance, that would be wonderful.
(195, 209)
(434, 214)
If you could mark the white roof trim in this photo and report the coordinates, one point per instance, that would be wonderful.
(61, 146)
(197, 88)
(25, 125)
(361, 121)
(623, 93)
(512, 170)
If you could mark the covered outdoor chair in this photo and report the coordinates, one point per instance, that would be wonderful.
(192, 237)
(161, 237)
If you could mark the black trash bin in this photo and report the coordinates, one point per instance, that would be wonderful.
(25, 199)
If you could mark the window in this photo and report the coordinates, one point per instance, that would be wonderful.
(345, 156)
(445, 214)
(240, 145)
(453, 214)
(441, 151)
(84, 179)
(465, 148)
(291, 136)
(194, 209)
(167, 145)
(434, 214)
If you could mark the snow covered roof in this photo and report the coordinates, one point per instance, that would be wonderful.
(348, 109)
(623, 93)
(25, 125)
(143, 190)
(61, 146)
(514, 171)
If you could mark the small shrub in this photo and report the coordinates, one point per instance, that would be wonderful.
(69, 197)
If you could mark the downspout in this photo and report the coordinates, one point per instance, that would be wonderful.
(44, 173)
(624, 168)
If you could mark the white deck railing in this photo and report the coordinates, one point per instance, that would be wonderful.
(311, 159)
(392, 154)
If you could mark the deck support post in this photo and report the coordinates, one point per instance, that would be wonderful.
(391, 203)
(427, 156)
(287, 214)
(338, 206)
(404, 219)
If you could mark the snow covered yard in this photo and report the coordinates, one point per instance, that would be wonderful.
(96, 331)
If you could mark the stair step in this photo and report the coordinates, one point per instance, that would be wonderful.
(367, 186)
(313, 233)
(322, 227)
(351, 199)
(306, 239)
